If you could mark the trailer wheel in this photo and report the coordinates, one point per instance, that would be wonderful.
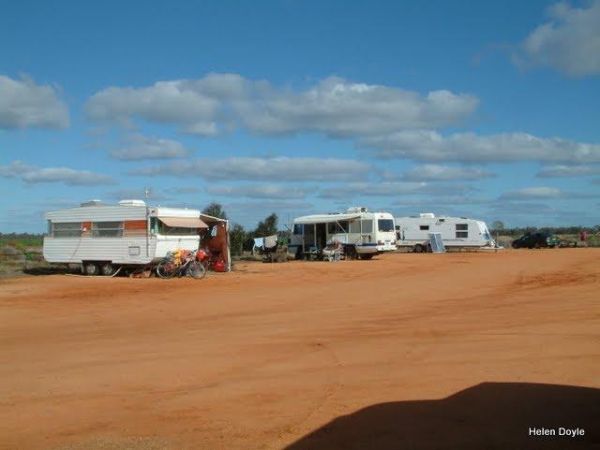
(91, 269)
(107, 269)
(418, 248)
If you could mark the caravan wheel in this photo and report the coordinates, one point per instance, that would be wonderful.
(418, 248)
(107, 269)
(91, 268)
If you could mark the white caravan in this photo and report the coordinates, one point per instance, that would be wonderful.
(104, 237)
(362, 233)
(457, 232)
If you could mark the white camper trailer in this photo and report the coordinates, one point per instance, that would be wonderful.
(103, 238)
(456, 232)
(362, 233)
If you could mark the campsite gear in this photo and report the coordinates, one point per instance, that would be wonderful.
(333, 252)
(218, 266)
(181, 263)
(272, 250)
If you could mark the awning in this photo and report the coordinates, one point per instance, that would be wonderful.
(325, 218)
(183, 222)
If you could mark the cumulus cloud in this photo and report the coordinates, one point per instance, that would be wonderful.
(382, 189)
(140, 194)
(33, 175)
(23, 104)
(435, 172)
(333, 106)
(569, 41)
(276, 169)
(141, 147)
(269, 191)
(541, 192)
(469, 147)
(568, 171)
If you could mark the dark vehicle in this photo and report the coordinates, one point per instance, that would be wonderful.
(538, 239)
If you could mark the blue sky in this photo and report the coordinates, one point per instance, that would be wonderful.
(481, 109)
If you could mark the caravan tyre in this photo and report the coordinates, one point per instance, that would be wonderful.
(418, 248)
(91, 269)
(107, 269)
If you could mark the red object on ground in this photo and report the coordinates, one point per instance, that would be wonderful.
(219, 265)
(201, 255)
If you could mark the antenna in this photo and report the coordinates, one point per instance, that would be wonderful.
(146, 193)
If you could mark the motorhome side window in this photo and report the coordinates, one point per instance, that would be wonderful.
(462, 230)
(423, 227)
(337, 227)
(355, 226)
(66, 229)
(107, 229)
(367, 226)
(385, 225)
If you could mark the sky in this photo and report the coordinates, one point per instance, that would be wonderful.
(488, 110)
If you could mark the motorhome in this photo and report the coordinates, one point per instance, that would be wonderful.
(104, 237)
(363, 234)
(456, 232)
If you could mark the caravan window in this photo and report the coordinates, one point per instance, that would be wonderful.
(462, 230)
(66, 229)
(107, 229)
(298, 229)
(367, 226)
(385, 225)
(166, 230)
(423, 227)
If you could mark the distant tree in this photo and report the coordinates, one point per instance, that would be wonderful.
(237, 237)
(267, 227)
(215, 210)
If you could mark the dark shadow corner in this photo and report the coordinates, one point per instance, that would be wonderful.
(486, 416)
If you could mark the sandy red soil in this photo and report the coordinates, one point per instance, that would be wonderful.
(264, 356)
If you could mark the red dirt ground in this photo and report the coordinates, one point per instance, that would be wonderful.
(265, 355)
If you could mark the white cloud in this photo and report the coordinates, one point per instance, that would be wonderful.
(435, 172)
(142, 147)
(432, 146)
(26, 104)
(140, 194)
(333, 106)
(276, 169)
(568, 42)
(383, 189)
(568, 171)
(33, 175)
(259, 191)
(541, 192)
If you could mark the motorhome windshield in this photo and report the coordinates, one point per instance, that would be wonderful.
(385, 225)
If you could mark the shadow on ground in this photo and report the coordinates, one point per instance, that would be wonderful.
(486, 416)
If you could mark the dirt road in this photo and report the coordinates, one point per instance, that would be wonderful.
(264, 356)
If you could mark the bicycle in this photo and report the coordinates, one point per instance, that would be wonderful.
(188, 263)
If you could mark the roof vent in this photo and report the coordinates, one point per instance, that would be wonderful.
(427, 216)
(132, 203)
(92, 203)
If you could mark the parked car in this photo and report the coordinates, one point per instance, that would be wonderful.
(536, 240)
